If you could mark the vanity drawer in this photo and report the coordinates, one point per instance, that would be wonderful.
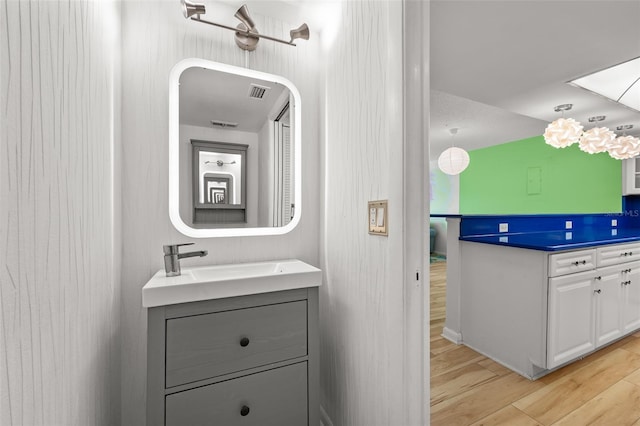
(272, 398)
(619, 253)
(570, 262)
(204, 346)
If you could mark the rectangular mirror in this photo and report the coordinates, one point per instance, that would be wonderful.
(234, 151)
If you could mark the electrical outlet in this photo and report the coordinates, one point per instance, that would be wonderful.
(568, 224)
(614, 232)
(568, 235)
(503, 227)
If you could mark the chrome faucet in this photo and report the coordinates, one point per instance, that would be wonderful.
(172, 258)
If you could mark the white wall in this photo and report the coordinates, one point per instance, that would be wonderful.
(361, 305)
(155, 37)
(59, 221)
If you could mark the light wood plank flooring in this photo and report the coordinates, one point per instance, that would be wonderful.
(470, 389)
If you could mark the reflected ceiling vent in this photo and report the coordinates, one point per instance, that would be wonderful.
(257, 92)
(220, 123)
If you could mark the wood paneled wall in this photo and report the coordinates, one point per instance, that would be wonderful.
(59, 278)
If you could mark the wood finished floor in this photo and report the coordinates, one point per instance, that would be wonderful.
(469, 389)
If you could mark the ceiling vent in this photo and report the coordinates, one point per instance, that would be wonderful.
(257, 92)
(220, 123)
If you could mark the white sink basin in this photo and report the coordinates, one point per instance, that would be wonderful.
(216, 282)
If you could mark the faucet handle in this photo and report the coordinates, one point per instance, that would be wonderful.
(173, 248)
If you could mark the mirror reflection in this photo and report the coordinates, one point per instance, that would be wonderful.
(237, 151)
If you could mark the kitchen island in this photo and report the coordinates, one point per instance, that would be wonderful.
(537, 296)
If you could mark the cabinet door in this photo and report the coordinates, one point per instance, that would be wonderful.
(607, 290)
(571, 318)
(631, 297)
(275, 397)
(631, 176)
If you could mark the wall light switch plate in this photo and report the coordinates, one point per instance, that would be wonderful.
(614, 222)
(568, 224)
(503, 227)
(378, 223)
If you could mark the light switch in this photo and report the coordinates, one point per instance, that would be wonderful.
(378, 217)
(503, 227)
(614, 222)
(568, 224)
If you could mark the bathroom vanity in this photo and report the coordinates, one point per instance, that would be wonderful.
(240, 347)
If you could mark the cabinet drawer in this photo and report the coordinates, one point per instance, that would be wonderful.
(204, 346)
(619, 253)
(271, 398)
(570, 262)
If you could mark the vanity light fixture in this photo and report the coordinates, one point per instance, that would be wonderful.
(247, 35)
(219, 163)
(563, 132)
(453, 160)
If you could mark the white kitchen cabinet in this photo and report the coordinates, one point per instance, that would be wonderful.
(607, 290)
(571, 307)
(534, 311)
(631, 176)
(631, 297)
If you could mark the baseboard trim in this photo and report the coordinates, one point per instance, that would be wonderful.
(452, 336)
(325, 420)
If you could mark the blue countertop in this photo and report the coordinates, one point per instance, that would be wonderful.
(560, 240)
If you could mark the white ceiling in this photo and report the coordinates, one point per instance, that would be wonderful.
(207, 95)
(498, 68)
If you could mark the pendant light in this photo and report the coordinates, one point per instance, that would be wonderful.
(596, 139)
(563, 132)
(624, 147)
(453, 160)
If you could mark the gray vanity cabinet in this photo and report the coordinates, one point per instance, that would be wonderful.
(249, 360)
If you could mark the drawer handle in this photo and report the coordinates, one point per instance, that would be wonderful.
(244, 410)
(244, 342)
(578, 262)
(597, 278)
(597, 291)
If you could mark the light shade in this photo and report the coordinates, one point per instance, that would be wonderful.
(453, 160)
(596, 140)
(243, 15)
(189, 9)
(301, 32)
(563, 132)
(624, 147)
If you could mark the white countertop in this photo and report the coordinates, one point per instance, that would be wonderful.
(220, 281)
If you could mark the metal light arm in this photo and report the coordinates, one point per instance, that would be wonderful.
(242, 32)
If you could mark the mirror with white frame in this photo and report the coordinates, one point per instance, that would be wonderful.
(234, 151)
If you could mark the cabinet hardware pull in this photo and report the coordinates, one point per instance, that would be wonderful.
(597, 291)
(244, 410)
(244, 342)
(597, 278)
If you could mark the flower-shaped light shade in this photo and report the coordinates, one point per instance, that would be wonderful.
(563, 132)
(453, 160)
(624, 147)
(596, 140)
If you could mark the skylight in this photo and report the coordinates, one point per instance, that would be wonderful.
(620, 83)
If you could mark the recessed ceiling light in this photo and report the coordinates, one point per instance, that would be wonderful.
(620, 83)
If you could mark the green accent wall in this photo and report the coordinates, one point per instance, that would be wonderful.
(529, 176)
